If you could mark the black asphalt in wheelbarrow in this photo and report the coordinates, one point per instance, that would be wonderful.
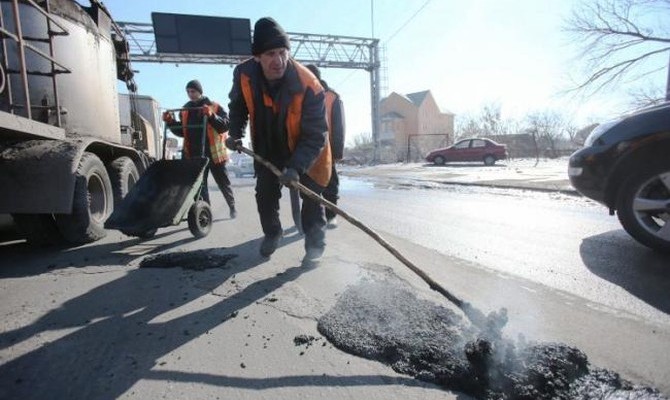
(161, 197)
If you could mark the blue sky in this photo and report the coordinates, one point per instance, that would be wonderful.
(468, 53)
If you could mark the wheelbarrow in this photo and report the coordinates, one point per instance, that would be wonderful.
(169, 192)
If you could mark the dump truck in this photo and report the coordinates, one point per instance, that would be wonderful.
(71, 146)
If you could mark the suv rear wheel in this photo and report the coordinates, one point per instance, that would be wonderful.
(643, 206)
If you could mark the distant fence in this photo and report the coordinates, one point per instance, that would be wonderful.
(419, 145)
(523, 145)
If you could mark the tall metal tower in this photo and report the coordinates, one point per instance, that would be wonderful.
(322, 50)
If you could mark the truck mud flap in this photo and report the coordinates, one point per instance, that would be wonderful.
(161, 197)
(37, 176)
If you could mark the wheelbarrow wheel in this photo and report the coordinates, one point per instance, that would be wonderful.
(200, 219)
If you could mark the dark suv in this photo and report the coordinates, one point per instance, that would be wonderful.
(625, 165)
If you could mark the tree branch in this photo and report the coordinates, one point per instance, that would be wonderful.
(617, 39)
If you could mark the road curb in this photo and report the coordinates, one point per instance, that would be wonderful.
(571, 192)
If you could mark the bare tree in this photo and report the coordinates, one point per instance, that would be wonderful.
(488, 122)
(621, 38)
(363, 139)
(468, 126)
(571, 131)
(547, 127)
(491, 120)
(362, 149)
(646, 96)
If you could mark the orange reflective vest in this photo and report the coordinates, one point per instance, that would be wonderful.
(216, 140)
(321, 168)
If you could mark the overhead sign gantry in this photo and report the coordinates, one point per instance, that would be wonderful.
(169, 39)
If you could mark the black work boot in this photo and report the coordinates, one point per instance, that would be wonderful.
(269, 244)
(314, 253)
(315, 245)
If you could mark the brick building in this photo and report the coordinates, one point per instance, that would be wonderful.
(412, 125)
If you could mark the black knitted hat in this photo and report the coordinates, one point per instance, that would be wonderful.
(194, 84)
(268, 35)
(315, 70)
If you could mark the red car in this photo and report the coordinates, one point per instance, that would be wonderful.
(479, 149)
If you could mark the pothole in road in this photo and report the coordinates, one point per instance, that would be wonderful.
(198, 260)
(385, 321)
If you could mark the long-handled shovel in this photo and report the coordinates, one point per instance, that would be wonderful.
(295, 208)
(493, 322)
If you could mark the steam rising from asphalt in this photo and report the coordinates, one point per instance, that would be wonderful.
(385, 321)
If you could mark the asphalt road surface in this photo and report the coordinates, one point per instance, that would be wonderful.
(564, 242)
(87, 322)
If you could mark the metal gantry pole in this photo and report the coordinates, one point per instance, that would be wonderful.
(375, 94)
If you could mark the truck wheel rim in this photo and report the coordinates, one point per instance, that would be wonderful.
(651, 206)
(97, 198)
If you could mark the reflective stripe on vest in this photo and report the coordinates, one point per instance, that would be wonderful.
(321, 168)
(216, 139)
(330, 99)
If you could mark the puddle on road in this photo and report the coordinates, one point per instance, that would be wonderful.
(367, 185)
(385, 321)
(197, 260)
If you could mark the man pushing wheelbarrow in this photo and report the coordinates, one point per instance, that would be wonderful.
(190, 128)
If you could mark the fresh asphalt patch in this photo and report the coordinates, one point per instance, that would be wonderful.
(384, 320)
(197, 260)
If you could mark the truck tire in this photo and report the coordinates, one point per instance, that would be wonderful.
(38, 229)
(123, 174)
(92, 203)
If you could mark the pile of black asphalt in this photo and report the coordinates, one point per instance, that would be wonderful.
(195, 260)
(387, 322)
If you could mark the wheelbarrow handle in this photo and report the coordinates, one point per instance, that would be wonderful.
(171, 110)
(474, 315)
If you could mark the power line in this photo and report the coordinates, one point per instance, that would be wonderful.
(390, 37)
(407, 22)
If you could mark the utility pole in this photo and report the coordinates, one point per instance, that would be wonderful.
(667, 83)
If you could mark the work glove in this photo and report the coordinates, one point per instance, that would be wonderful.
(168, 117)
(289, 177)
(207, 111)
(234, 143)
